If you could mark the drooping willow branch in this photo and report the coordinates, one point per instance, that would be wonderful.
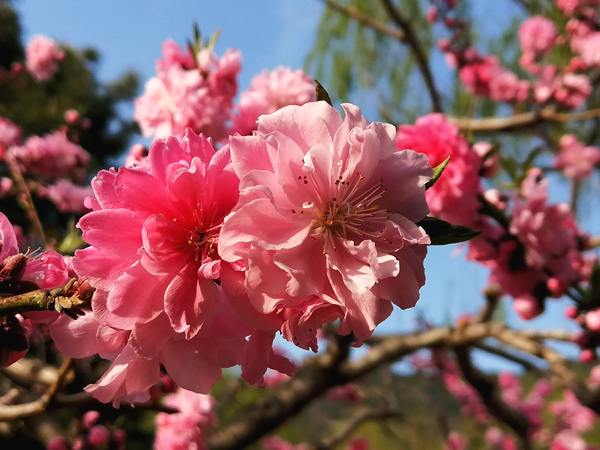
(353, 12)
(422, 61)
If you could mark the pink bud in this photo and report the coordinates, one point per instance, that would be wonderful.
(56, 443)
(571, 311)
(432, 14)
(72, 116)
(557, 287)
(527, 308)
(444, 44)
(580, 339)
(99, 435)
(587, 356)
(90, 418)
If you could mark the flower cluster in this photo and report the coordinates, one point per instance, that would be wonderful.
(184, 430)
(484, 75)
(194, 91)
(43, 55)
(310, 220)
(538, 251)
(268, 92)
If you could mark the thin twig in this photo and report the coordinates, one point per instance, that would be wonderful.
(333, 441)
(13, 412)
(28, 204)
(421, 57)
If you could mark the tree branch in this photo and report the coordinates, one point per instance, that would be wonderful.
(486, 387)
(13, 412)
(520, 120)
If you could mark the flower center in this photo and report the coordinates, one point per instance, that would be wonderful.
(353, 213)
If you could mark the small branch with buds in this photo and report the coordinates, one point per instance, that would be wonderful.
(70, 298)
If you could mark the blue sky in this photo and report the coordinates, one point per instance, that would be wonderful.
(129, 34)
(269, 33)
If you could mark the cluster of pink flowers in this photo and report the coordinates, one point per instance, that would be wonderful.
(42, 57)
(310, 220)
(67, 197)
(454, 197)
(185, 429)
(538, 253)
(10, 135)
(52, 156)
(268, 92)
(574, 159)
(484, 75)
(197, 91)
(194, 91)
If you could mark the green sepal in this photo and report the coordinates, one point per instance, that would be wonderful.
(442, 233)
(437, 173)
(321, 93)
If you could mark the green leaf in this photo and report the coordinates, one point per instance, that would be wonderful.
(213, 40)
(437, 173)
(443, 233)
(321, 93)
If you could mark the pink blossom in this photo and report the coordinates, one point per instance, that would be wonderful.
(588, 48)
(42, 57)
(347, 393)
(456, 441)
(276, 443)
(325, 227)
(567, 88)
(67, 196)
(537, 35)
(592, 320)
(157, 301)
(269, 92)
(549, 233)
(576, 160)
(184, 430)
(183, 95)
(569, 440)
(572, 414)
(454, 196)
(52, 155)
(569, 7)
(594, 378)
(10, 134)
